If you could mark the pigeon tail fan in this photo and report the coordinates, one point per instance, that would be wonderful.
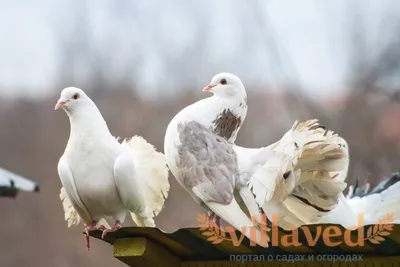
(322, 158)
(319, 150)
(152, 173)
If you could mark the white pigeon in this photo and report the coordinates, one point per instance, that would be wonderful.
(11, 183)
(103, 179)
(303, 165)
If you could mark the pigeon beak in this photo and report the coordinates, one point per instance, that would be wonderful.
(59, 104)
(208, 88)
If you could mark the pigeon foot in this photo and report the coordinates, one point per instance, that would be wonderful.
(91, 227)
(116, 226)
(215, 218)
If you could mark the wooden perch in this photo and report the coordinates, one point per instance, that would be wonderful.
(139, 252)
(149, 247)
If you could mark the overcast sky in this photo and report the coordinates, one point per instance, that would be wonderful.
(179, 43)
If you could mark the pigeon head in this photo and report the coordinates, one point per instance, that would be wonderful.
(83, 113)
(72, 98)
(226, 85)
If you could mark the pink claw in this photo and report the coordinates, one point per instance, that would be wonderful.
(218, 220)
(91, 227)
(116, 227)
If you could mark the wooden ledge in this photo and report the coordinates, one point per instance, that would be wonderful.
(139, 252)
(142, 247)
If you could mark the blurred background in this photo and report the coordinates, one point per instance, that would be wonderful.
(142, 61)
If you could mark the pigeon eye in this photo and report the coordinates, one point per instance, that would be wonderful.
(223, 81)
(75, 96)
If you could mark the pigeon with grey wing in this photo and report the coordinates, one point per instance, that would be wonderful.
(237, 183)
(203, 161)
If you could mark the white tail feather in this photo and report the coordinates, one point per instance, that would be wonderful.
(152, 172)
(319, 158)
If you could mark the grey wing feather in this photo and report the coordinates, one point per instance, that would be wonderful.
(206, 162)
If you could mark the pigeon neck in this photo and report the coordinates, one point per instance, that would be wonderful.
(223, 116)
(88, 123)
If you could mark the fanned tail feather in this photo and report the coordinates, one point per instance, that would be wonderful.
(152, 172)
(321, 156)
